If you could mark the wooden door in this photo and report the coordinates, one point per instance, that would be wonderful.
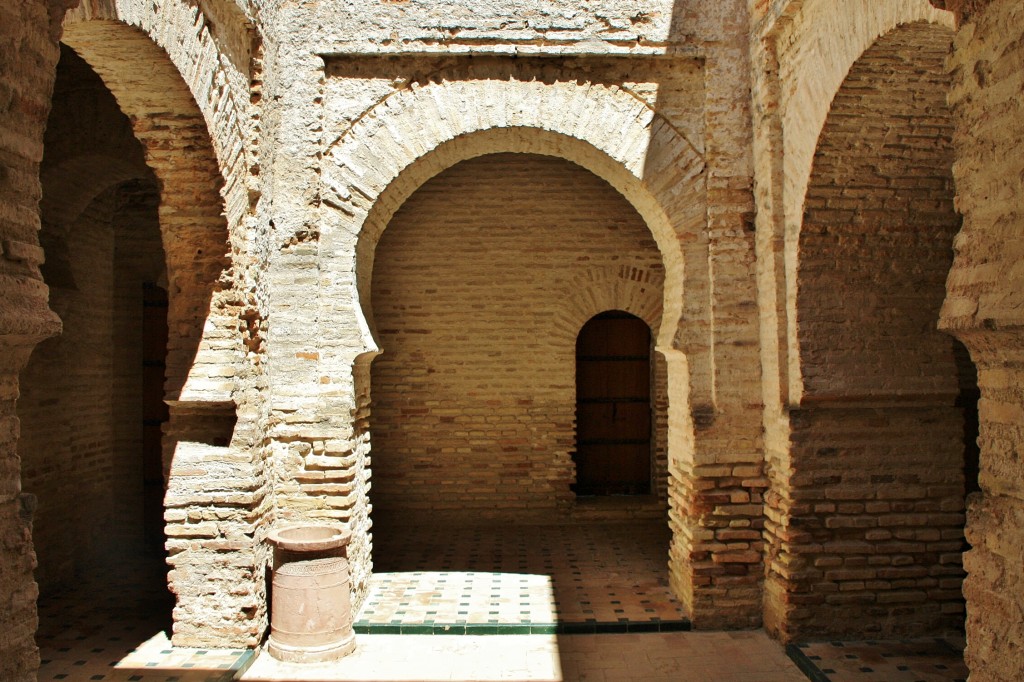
(613, 406)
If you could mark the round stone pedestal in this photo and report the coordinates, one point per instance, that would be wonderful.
(310, 609)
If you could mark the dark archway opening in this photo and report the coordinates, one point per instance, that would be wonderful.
(967, 401)
(154, 413)
(613, 406)
(92, 406)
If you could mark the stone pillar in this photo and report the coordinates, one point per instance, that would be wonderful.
(984, 300)
(28, 33)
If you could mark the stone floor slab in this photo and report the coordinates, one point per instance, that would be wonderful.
(681, 657)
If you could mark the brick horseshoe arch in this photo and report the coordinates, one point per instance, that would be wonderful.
(373, 167)
(414, 134)
(183, 79)
(209, 63)
(830, 41)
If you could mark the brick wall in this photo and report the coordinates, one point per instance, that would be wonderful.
(853, 246)
(878, 227)
(219, 71)
(66, 407)
(344, 146)
(803, 51)
(476, 312)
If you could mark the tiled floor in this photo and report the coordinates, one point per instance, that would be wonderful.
(521, 580)
(113, 626)
(909, 660)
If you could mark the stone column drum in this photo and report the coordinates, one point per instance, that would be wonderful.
(310, 610)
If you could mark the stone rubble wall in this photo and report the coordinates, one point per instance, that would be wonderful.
(28, 57)
(983, 309)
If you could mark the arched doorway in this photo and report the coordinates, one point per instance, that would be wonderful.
(613, 406)
(877, 439)
(132, 275)
(171, 117)
(481, 283)
(84, 423)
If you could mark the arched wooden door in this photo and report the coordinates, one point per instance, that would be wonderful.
(613, 406)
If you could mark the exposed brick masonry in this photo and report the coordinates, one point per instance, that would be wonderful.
(477, 316)
(871, 521)
(274, 144)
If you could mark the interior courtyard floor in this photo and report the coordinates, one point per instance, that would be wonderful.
(113, 626)
(558, 579)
